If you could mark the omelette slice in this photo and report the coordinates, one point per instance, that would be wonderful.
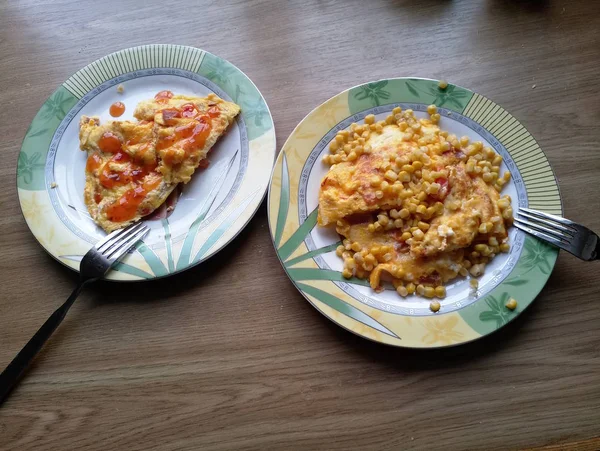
(132, 167)
(470, 203)
(122, 183)
(186, 128)
(395, 261)
(352, 187)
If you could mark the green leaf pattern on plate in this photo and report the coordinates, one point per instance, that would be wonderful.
(230, 79)
(497, 310)
(30, 166)
(344, 308)
(536, 255)
(284, 201)
(298, 236)
(490, 312)
(414, 90)
(321, 250)
(27, 166)
(374, 92)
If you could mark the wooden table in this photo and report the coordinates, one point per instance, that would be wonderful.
(228, 355)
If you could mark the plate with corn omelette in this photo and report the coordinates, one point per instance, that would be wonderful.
(391, 207)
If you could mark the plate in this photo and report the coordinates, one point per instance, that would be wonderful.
(307, 252)
(210, 210)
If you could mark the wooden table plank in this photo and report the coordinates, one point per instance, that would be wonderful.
(228, 355)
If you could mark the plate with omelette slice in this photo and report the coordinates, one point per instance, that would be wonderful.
(170, 135)
(391, 209)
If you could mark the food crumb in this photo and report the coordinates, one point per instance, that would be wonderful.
(474, 283)
(435, 306)
(120, 89)
(533, 86)
(53, 185)
(511, 304)
(443, 84)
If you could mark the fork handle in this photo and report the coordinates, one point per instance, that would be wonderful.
(10, 376)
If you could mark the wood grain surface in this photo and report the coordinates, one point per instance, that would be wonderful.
(228, 355)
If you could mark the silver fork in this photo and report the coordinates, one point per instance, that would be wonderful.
(568, 235)
(94, 265)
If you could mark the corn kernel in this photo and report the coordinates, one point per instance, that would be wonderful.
(435, 118)
(440, 292)
(488, 177)
(420, 289)
(370, 119)
(405, 236)
(508, 213)
(429, 292)
(350, 263)
(505, 247)
(423, 226)
(443, 84)
(346, 273)
(391, 175)
(474, 283)
(421, 209)
(493, 241)
(418, 234)
(477, 270)
(355, 247)
(453, 205)
(397, 110)
(432, 109)
(398, 223)
(506, 176)
(371, 228)
(434, 188)
(379, 194)
(404, 213)
(383, 220)
(339, 250)
(511, 304)
(404, 176)
(481, 247)
(402, 291)
(464, 141)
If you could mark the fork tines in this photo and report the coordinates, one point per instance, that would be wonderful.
(120, 241)
(546, 226)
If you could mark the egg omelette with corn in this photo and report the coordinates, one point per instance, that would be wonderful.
(132, 167)
(415, 205)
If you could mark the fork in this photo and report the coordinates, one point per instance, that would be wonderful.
(568, 235)
(94, 265)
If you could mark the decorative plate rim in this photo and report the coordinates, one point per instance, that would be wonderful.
(350, 321)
